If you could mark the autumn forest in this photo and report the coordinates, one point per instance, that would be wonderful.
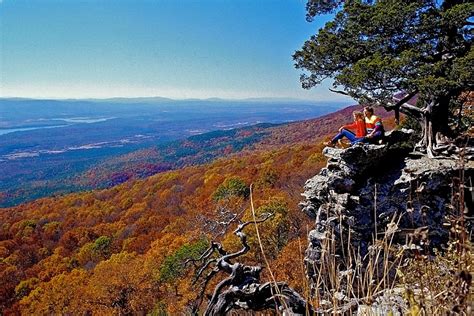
(122, 250)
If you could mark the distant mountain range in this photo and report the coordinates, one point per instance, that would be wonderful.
(157, 99)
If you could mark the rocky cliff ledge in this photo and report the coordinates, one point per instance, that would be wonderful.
(365, 186)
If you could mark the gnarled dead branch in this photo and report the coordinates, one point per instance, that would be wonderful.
(242, 288)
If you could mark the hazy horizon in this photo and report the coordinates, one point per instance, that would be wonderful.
(164, 99)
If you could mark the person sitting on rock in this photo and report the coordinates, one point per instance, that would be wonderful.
(359, 126)
(375, 130)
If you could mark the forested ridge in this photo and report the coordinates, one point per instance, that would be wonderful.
(24, 179)
(121, 250)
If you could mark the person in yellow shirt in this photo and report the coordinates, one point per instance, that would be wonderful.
(374, 125)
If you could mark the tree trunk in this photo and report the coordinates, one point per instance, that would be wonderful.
(433, 119)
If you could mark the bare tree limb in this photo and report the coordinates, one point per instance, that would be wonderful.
(403, 100)
(339, 91)
(242, 288)
(396, 106)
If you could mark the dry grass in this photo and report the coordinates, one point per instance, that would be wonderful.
(440, 284)
(348, 280)
(394, 279)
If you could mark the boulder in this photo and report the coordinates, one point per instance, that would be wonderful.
(365, 186)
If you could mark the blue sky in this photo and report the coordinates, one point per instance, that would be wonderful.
(171, 48)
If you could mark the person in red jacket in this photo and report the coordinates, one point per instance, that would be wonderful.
(354, 132)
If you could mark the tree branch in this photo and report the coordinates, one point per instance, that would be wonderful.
(242, 288)
(404, 107)
(339, 91)
(402, 101)
(411, 110)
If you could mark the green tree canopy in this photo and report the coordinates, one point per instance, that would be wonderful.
(376, 49)
(232, 187)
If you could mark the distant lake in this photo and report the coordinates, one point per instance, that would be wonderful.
(83, 119)
(4, 131)
(71, 120)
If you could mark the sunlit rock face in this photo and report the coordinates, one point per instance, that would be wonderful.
(364, 187)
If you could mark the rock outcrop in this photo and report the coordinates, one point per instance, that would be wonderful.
(365, 186)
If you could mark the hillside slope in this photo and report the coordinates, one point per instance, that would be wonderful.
(120, 250)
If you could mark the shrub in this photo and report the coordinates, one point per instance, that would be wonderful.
(173, 266)
(232, 187)
(25, 287)
(101, 246)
